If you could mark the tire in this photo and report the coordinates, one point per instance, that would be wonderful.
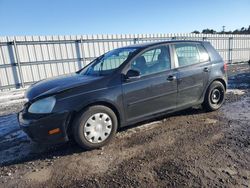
(214, 97)
(95, 127)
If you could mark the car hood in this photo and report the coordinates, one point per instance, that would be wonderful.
(58, 84)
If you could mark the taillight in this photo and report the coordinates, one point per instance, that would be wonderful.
(225, 66)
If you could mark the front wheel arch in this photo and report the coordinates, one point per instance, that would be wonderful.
(107, 104)
(80, 122)
(74, 114)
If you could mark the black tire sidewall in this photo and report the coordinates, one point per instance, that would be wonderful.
(209, 106)
(81, 120)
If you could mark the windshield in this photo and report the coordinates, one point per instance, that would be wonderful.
(108, 63)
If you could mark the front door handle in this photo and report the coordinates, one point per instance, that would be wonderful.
(205, 69)
(171, 78)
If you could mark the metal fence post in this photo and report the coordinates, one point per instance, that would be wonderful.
(18, 63)
(230, 40)
(135, 40)
(83, 54)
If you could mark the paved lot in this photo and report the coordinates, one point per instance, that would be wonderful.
(186, 149)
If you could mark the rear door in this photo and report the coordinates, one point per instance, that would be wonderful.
(155, 91)
(192, 72)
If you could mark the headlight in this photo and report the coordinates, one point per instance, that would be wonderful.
(42, 106)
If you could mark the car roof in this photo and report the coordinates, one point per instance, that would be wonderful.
(149, 44)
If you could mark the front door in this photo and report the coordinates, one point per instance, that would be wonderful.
(156, 89)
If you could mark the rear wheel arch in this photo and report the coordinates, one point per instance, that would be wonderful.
(212, 81)
(220, 86)
(220, 80)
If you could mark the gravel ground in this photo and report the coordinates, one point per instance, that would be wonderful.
(190, 148)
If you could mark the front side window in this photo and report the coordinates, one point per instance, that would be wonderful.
(152, 61)
(108, 63)
(187, 54)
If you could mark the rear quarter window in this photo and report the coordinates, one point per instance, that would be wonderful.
(204, 57)
(214, 55)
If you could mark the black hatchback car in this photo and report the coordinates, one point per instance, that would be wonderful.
(122, 87)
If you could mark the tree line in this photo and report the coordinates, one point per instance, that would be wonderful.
(243, 30)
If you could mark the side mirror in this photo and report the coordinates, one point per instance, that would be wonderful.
(131, 74)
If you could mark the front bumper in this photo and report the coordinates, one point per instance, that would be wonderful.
(38, 128)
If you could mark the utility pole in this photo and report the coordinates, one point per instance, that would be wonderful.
(223, 28)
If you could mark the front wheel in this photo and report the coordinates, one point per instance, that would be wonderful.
(215, 96)
(95, 127)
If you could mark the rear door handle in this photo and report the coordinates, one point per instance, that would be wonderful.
(205, 69)
(171, 78)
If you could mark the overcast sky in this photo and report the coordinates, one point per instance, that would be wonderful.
(60, 17)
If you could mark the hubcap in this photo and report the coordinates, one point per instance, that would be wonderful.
(215, 96)
(98, 128)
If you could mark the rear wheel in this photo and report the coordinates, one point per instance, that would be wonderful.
(95, 127)
(215, 96)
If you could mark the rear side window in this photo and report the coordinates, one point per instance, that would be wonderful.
(187, 54)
